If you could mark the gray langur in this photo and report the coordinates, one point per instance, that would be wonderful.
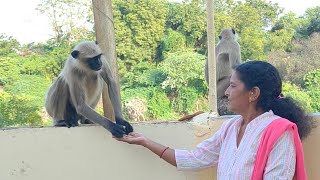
(78, 88)
(227, 55)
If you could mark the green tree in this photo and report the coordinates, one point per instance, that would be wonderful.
(185, 101)
(189, 18)
(68, 18)
(289, 89)
(172, 42)
(267, 11)
(312, 79)
(310, 22)
(9, 69)
(8, 45)
(143, 74)
(32, 86)
(18, 110)
(312, 85)
(139, 27)
(252, 44)
(250, 20)
(283, 32)
(159, 106)
(55, 59)
(182, 68)
(303, 59)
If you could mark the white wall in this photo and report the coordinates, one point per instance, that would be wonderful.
(89, 152)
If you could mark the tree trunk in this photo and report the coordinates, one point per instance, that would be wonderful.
(103, 22)
(211, 59)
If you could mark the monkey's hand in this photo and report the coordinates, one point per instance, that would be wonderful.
(117, 130)
(127, 125)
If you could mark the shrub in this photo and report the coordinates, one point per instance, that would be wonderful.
(18, 110)
(158, 104)
(300, 96)
(31, 85)
(185, 102)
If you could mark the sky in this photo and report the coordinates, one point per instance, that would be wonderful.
(19, 18)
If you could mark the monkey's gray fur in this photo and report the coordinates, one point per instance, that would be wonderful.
(78, 88)
(227, 56)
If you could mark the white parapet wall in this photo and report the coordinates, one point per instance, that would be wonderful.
(89, 152)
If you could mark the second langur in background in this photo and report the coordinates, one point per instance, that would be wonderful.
(227, 56)
(78, 88)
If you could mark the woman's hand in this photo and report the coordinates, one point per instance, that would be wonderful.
(133, 138)
(164, 152)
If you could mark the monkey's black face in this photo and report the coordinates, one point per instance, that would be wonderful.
(95, 63)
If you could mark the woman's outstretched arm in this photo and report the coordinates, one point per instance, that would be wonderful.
(162, 151)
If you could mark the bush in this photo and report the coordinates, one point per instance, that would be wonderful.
(312, 85)
(314, 93)
(172, 42)
(151, 77)
(31, 85)
(158, 104)
(312, 79)
(303, 59)
(18, 110)
(143, 74)
(183, 68)
(297, 94)
(185, 102)
(9, 69)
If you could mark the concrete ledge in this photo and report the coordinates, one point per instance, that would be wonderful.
(89, 152)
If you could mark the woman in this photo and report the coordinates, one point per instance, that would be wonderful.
(258, 144)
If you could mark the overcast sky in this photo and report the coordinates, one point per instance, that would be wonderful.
(20, 19)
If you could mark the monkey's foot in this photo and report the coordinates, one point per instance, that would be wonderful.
(127, 125)
(60, 123)
(72, 123)
(85, 121)
(64, 123)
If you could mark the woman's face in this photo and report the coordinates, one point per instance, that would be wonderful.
(238, 96)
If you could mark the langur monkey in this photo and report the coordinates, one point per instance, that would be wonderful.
(227, 57)
(78, 88)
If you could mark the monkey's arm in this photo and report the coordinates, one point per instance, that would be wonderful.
(235, 58)
(206, 69)
(78, 100)
(115, 97)
(112, 90)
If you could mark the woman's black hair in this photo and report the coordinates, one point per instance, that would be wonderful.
(266, 77)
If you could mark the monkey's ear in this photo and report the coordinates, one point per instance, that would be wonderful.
(233, 31)
(75, 54)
